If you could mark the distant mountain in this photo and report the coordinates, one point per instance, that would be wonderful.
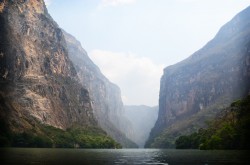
(196, 89)
(105, 96)
(143, 119)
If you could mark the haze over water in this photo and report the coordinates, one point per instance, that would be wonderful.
(122, 157)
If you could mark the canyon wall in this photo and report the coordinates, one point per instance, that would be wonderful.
(197, 88)
(105, 96)
(38, 80)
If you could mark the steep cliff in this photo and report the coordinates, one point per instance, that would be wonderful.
(39, 84)
(197, 88)
(105, 96)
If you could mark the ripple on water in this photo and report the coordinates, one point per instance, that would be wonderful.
(122, 157)
(147, 157)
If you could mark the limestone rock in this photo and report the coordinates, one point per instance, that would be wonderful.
(38, 82)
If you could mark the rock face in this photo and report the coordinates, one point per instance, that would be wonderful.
(105, 96)
(197, 88)
(38, 80)
(143, 119)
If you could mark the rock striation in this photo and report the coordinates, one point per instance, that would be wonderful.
(196, 89)
(105, 96)
(38, 82)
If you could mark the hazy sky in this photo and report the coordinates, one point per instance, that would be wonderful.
(133, 40)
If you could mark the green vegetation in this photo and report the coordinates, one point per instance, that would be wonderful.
(165, 137)
(231, 130)
(48, 137)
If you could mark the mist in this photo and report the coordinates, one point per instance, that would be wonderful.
(143, 119)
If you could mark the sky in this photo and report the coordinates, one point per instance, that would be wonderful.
(132, 41)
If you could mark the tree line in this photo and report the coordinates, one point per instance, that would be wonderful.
(230, 130)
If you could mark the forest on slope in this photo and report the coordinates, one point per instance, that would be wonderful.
(230, 130)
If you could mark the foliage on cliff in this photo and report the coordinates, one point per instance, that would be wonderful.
(43, 136)
(231, 130)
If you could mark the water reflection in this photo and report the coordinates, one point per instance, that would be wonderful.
(122, 157)
(145, 156)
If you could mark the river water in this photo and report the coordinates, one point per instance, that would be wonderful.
(11, 156)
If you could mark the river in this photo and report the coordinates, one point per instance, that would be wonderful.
(35, 156)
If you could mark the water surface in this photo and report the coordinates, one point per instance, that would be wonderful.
(11, 156)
